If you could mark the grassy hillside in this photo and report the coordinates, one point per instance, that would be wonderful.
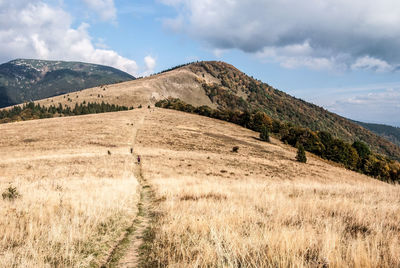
(75, 199)
(388, 132)
(26, 80)
(220, 85)
(256, 207)
(232, 89)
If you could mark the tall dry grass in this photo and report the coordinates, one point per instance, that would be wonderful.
(76, 199)
(259, 207)
(65, 222)
(258, 223)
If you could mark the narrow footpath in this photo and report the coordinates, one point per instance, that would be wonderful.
(142, 221)
(127, 251)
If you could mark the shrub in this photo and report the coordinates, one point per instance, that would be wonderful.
(10, 193)
(260, 120)
(235, 149)
(264, 135)
(362, 149)
(301, 154)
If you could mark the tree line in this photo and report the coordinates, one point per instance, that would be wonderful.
(30, 111)
(355, 156)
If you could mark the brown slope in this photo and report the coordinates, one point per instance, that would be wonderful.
(221, 85)
(181, 83)
(253, 201)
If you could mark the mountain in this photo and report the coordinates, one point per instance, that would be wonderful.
(221, 86)
(26, 79)
(388, 132)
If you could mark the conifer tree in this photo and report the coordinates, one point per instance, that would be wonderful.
(301, 154)
(264, 135)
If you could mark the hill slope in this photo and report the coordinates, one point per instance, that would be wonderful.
(212, 207)
(220, 85)
(24, 79)
(388, 132)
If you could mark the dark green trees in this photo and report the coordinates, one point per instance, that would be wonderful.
(32, 111)
(264, 135)
(362, 149)
(301, 154)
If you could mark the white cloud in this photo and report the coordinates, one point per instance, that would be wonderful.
(321, 34)
(297, 55)
(150, 64)
(104, 8)
(371, 103)
(36, 30)
(370, 63)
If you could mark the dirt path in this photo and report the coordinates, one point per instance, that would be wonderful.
(132, 258)
(126, 253)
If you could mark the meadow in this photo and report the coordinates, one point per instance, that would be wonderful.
(259, 207)
(75, 198)
(211, 207)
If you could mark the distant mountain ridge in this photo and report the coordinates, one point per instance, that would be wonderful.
(24, 80)
(391, 133)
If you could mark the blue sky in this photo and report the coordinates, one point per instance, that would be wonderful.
(342, 55)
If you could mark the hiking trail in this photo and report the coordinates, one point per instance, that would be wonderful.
(127, 252)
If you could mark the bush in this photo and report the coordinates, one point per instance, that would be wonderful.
(10, 193)
(301, 154)
(264, 135)
(362, 149)
(235, 149)
(260, 120)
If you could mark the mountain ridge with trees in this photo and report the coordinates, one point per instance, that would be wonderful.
(24, 80)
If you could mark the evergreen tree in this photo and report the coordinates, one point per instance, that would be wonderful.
(301, 154)
(362, 149)
(264, 135)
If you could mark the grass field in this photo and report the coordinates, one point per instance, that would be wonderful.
(259, 207)
(181, 83)
(255, 208)
(76, 199)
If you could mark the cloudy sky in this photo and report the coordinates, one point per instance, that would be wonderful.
(343, 55)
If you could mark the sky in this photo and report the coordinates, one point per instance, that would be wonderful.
(339, 54)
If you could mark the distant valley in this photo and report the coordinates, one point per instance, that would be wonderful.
(388, 132)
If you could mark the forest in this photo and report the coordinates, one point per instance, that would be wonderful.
(31, 111)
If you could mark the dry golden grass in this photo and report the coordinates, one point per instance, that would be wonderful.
(180, 83)
(255, 208)
(259, 207)
(76, 199)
